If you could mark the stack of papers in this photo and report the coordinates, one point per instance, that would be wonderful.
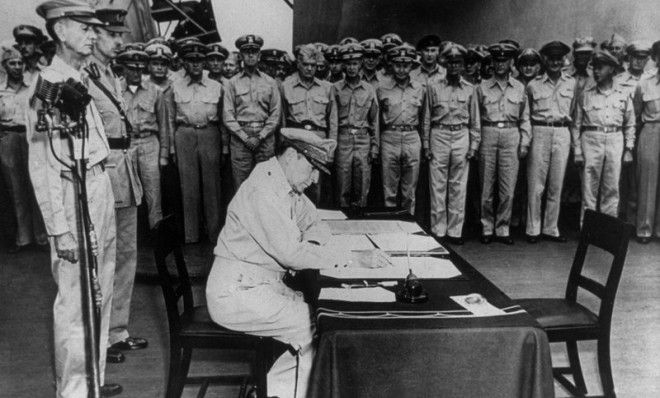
(331, 214)
(350, 242)
(407, 243)
(356, 227)
(481, 308)
(367, 294)
(424, 267)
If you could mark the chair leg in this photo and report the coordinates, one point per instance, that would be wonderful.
(173, 376)
(605, 367)
(263, 358)
(183, 370)
(576, 368)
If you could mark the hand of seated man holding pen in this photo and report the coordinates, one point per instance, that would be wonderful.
(375, 258)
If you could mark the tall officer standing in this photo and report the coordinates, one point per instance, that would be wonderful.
(430, 70)
(373, 49)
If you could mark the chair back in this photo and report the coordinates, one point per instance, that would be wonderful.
(612, 235)
(176, 285)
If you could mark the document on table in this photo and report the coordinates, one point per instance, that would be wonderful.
(350, 242)
(357, 227)
(424, 267)
(325, 214)
(403, 242)
(477, 305)
(366, 294)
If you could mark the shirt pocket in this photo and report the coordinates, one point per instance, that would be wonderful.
(491, 104)
(146, 111)
(543, 101)
(513, 104)
(565, 99)
(319, 105)
(297, 106)
(651, 102)
(210, 102)
(441, 105)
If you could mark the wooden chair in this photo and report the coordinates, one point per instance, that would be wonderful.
(193, 328)
(565, 320)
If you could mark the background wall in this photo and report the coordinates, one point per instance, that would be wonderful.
(531, 22)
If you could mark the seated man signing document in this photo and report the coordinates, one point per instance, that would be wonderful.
(273, 227)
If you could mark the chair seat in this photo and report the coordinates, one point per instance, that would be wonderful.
(558, 313)
(198, 323)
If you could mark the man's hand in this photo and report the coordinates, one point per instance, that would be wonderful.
(522, 152)
(163, 161)
(67, 247)
(252, 143)
(471, 154)
(627, 156)
(375, 258)
(578, 158)
(427, 154)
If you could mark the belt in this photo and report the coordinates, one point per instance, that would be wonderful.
(354, 130)
(193, 125)
(246, 272)
(551, 124)
(94, 170)
(254, 125)
(450, 127)
(16, 129)
(401, 127)
(615, 129)
(499, 125)
(144, 134)
(306, 126)
(119, 143)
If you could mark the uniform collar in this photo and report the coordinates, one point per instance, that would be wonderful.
(435, 69)
(274, 170)
(298, 81)
(257, 72)
(494, 82)
(461, 82)
(393, 83)
(203, 81)
(546, 77)
(345, 84)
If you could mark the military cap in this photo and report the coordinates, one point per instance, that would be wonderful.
(158, 40)
(322, 47)
(193, 51)
(333, 52)
(453, 50)
(29, 32)
(186, 40)
(403, 53)
(318, 151)
(351, 51)
(638, 47)
(502, 51)
(372, 46)
(616, 39)
(137, 46)
(529, 54)
(428, 41)
(605, 57)
(9, 53)
(133, 59)
(473, 55)
(77, 10)
(347, 40)
(218, 50)
(655, 48)
(249, 41)
(390, 40)
(113, 19)
(158, 51)
(555, 49)
(584, 44)
(272, 55)
(513, 44)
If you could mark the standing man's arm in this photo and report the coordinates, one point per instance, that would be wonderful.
(332, 116)
(475, 123)
(575, 130)
(163, 132)
(638, 105)
(427, 105)
(629, 129)
(525, 126)
(373, 118)
(274, 112)
(229, 116)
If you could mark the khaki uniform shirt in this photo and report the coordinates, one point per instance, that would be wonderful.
(426, 77)
(168, 99)
(627, 81)
(612, 109)
(505, 102)
(45, 170)
(147, 113)
(452, 105)
(314, 103)
(13, 104)
(251, 98)
(401, 105)
(551, 102)
(647, 99)
(358, 109)
(375, 79)
(197, 102)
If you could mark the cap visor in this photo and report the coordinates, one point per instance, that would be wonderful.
(88, 20)
(319, 165)
(117, 29)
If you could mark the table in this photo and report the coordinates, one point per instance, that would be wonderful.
(433, 349)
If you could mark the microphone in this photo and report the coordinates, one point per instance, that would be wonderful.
(48, 92)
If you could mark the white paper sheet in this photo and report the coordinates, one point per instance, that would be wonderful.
(410, 227)
(325, 214)
(350, 242)
(403, 242)
(424, 267)
(367, 294)
(356, 227)
(483, 308)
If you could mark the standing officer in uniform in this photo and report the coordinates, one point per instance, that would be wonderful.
(473, 61)
(251, 112)
(647, 108)
(335, 64)
(551, 97)
(452, 117)
(322, 71)
(14, 154)
(505, 137)
(105, 89)
(215, 60)
(69, 24)
(604, 124)
(528, 64)
(308, 103)
(401, 100)
(430, 70)
(373, 49)
(359, 135)
(198, 143)
(232, 65)
(28, 40)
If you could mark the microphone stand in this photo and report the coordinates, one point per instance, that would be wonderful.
(77, 134)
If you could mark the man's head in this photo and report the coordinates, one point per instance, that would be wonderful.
(401, 58)
(528, 63)
(428, 48)
(351, 57)
(12, 61)
(617, 46)
(606, 65)
(193, 54)
(554, 53)
(455, 55)
(215, 58)
(232, 65)
(134, 63)
(502, 54)
(250, 47)
(638, 54)
(69, 23)
(28, 38)
(111, 34)
(303, 155)
(373, 49)
(333, 55)
(159, 59)
(583, 49)
(308, 56)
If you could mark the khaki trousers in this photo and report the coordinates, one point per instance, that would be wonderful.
(602, 170)
(146, 157)
(648, 173)
(243, 159)
(400, 158)
(353, 168)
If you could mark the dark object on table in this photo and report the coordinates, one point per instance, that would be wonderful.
(412, 290)
(193, 328)
(565, 320)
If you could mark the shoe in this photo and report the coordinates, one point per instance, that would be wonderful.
(111, 389)
(130, 343)
(532, 238)
(486, 239)
(560, 238)
(457, 241)
(507, 240)
(643, 239)
(113, 355)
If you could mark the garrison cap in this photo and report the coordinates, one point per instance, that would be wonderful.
(453, 51)
(193, 51)
(502, 51)
(137, 46)
(158, 51)
(639, 47)
(78, 10)
(218, 50)
(272, 55)
(555, 49)
(333, 52)
(403, 53)
(29, 32)
(529, 54)
(390, 40)
(372, 46)
(347, 40)
(605, 57)
(322, 47)
(113, 19)
(584, 44)
(249, 41)
(318, 151)
(133, 59)
(428, 41)
(351, 51)
(9, 53)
